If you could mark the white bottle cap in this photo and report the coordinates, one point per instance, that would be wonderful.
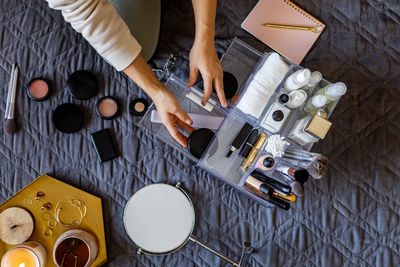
(296, 98)
(303, 76)
(315, 78)
(336, 90)
(319, 101)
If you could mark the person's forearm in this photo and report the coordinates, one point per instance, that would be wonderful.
(204, 13)
(140, 72)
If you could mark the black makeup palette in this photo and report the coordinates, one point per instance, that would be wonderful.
(82, 84)
(68, 118)
(230, 85)
(138, 107)
(199, 140)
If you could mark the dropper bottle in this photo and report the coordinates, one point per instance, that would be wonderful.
(315, 78)
(315, 103)
(297, 79)
(332, 91)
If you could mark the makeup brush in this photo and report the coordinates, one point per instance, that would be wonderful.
(300, 175)
(316, 168)
(305, 155)
(9, 123)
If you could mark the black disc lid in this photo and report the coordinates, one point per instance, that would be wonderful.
(230, 85)
(278, 115)
(283, 98)
(68, 118)
(82, 84)
(199, 140)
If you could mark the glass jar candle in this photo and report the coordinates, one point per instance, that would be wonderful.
(28, 254)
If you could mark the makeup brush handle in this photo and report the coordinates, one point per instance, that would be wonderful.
(10, 111)
(279, 203)
(281, 187)
(264, 188)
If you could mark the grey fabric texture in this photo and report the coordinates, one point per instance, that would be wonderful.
(349, 218)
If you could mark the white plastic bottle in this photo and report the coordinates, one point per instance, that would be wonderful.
(316, 102)
(332, 91)
(315, 78)
(297, 79)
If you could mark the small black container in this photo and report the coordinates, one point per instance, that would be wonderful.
(199, 140)
(138, 107)
(68, 118)
(82, 84)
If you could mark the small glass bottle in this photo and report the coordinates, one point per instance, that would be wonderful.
(315, 103)
(297, 79)
(332, 91)
(315, 78)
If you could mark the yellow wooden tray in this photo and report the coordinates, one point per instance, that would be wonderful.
(56, 190)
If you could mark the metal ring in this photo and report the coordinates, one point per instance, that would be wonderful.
(52, 222)
(28, 201)
(47, 231)
(46, 216)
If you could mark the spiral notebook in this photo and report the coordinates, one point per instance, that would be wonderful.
(292, 44)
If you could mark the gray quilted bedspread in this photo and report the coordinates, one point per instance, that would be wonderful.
(349, 218)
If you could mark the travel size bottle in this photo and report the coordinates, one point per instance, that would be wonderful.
(315, 78)
(297, 79)
(315, 103)
(332, 91)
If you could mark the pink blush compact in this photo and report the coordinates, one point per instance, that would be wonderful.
(38, 89)
(107, 107)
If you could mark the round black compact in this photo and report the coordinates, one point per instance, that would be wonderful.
(68, 118)
(230, 85)
(82, 84)
(199, 140)
(138, 107)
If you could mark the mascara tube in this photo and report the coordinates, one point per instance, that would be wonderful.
(268, 193)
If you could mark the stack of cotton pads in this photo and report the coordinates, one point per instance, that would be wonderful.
(263, 85)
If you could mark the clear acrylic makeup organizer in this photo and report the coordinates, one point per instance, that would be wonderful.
(243, 62)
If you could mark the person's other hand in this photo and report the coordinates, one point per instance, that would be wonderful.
(172, 115)
(203, 58)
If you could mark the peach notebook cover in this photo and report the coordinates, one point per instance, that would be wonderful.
(292, 44)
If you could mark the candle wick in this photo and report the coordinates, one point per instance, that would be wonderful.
(14, 226)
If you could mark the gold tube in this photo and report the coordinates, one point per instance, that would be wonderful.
(254, 151)
(290, 197)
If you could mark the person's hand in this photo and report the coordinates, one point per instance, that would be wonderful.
(172, 115)
(203, 58)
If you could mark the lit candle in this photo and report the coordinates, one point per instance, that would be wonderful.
(28, 254)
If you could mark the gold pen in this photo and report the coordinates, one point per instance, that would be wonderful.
(315, 29)
(254, 151)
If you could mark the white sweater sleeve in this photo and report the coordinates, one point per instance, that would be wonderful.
(102, 27)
